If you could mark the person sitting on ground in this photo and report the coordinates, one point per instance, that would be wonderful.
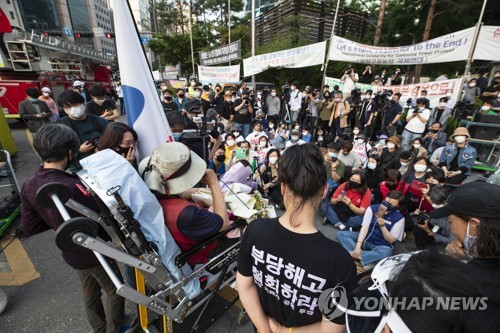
(348, 203)
(294, 139)
(58, 145)
(457, 159)
(100, 106)
(403, 163)
(487, 108)
(88, 127)
(120, 138)
(382, 226)
(170, 172)
(417, 149)
(393, 182)
(217, 162)
(230, 146)
(435, 138)
(436, 155)
(269, 248)
(390, 154)
(257, 133)
(362, 148)
(433, 233)
(417, 173)
(350, 159)
(374, 173)
(267, 177)
(335, 169)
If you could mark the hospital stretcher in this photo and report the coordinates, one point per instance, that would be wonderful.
(133, 218)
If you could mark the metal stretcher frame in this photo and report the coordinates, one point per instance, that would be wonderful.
(131, 248)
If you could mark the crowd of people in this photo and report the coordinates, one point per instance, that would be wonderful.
(374, 174)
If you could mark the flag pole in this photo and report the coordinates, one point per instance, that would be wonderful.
(229, 23)
(330, 45)
(191, 33)
(470, 58)
(253, 43)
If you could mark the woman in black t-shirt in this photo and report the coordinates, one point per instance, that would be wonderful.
(285, 264)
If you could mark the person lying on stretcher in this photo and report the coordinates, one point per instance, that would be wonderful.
(169, 172)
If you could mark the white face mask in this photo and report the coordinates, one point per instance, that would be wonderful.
(273, 160)
(404, 163)
(193, 84)
(460, 138)
(391, 145)
(230, 143)
(271, 126)
(297, 127)
(236, 134)
(448, 94)
(435, 206)
(295, 137)
(420, 167)
(263, 144)
(196, 94)
(337, 99)
(442, 104)
(46, 94)
(356, 132)
(305, 133)
(472, 85)
(368, 96)
(273, 94)
(372, 166)
(485, 108)
(416, 146)
(360, 141)
(76, 111)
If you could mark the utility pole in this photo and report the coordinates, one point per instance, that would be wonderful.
(229, 23)
(253, 42)
(425, 37)
(380, 21)
(191, 32)
(325, 66)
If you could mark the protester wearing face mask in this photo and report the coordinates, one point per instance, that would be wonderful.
(433, 233)
(122, 139)
(436, 155)
(374, 173)
(382, 226)
(294, 139)
(417, 149)
(350, 158)
(324, 111)
(361, 147)
(441, 113)
(79, 87)
(470, 92)
(451, 100)
(335, 168)
(47, 98)
(306, 134)
(230, 146)
(320, 137)
(368, 107)
(417, 171)
(181, 100)
(392, 182)
(392, 114)
(457, 159)
(263, 148)
(88, 127)
(100, 106)
(295, 101)
(348, 203)
(404, 162)
(237, 134)
(434, 138)
(34, 112)
(390, 154)
(257, 133)
(217, 162)
(273, 106)
(267, 178)
(415, 123)
(168, 103)
(191, 89)
(487, 108)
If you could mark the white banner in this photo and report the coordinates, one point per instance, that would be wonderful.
(435, 89)
(451, 47)
(222, 74)
(488, 44)
(304, 56)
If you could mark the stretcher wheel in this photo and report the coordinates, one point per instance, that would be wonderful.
(44, 193)
(65, 232)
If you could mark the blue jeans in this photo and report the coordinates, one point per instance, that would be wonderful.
(328, 210)
(408, 137)
(244, 129)
(370, 253)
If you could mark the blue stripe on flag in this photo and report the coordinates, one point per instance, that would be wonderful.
(134, 103)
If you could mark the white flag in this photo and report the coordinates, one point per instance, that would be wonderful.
(144, 110)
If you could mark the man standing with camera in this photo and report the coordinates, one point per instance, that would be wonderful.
(392, 115)
(349, 78)
(243, 111)
(415, 123)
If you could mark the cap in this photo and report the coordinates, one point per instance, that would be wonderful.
(361, 136)
(460, 131)
(78, 84)
(295, 131)
(473, 199)
(174, 166)
(46, 89)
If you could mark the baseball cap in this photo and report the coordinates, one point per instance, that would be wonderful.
(46, 89)
(295, 131)
(78, 84)
(172, 164)
(472, 199)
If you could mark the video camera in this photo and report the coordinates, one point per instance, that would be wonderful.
(421, 218)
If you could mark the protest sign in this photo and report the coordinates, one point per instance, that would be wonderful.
(221, 54)
(304, 56)
(488, 43)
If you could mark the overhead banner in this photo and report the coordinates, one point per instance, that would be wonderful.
(172, 72)
(221, 54)
(221, 74)
(304, 56)
(451, 47)
(488, 44)
(435, 89)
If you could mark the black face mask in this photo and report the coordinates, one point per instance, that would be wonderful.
(168, 98)
(70, 161)
(181, 95)
(354, 185)
(122, 151)
(220, 158)
(391, 186)
(433, 131)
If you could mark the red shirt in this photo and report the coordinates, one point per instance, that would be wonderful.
(357, 199)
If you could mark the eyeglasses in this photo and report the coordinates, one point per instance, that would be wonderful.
(128, 143)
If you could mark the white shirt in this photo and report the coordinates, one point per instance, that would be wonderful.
(289, 143)
(397, 229)
(313, 108)
(295, 100)
(254, 138)
(349, 83)
(119, 91)
(417, 126)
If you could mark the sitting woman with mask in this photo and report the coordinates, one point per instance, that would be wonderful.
(170, 173)
(267, 177)
(457, 159)
(374, 173)
(120, 138)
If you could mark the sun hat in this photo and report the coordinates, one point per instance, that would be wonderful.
(394, 140)
(173, 166)
(460, 131)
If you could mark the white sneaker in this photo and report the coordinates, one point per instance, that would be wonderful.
(340, 226)
(3, 300)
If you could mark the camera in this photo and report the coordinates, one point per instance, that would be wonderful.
(420, 218)
(383, 97)
(93, 140)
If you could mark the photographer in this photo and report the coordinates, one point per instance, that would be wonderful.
(392, 115)
(415, 123)
(349, 79)
(312, 105)
(429, 232)
(338, 117)
(324, 111)
(396, 79)
(243, 113)
(366, 76)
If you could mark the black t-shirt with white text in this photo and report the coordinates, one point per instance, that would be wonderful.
(290, 270)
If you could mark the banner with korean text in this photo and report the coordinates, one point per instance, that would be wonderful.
(222, 74)
(304, 56)
(435, 89)
(447, 48)
(222, 54)
(488, 44)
